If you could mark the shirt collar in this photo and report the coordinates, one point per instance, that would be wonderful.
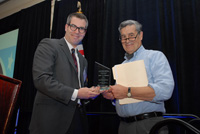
(70, 46)
(136, 52)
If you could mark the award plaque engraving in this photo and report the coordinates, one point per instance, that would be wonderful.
(103, 76)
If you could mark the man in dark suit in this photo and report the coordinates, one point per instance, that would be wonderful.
(59, 78)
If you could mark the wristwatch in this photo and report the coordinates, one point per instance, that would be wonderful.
(129, 92)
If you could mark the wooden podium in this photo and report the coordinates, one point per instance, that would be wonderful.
(9, 90)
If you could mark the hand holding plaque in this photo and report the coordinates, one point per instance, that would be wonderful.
(103, 75)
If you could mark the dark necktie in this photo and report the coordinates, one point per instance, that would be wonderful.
(74, 58)
(128, 56)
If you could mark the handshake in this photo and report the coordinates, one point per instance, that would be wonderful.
(116, 91)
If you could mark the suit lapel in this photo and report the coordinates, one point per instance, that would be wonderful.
(69, 56)
(67, 52)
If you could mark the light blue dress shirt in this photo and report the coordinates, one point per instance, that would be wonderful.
(160, 78)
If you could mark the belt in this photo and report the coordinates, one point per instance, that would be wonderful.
(141, 117)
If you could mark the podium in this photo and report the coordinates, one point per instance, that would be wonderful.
(9, 90)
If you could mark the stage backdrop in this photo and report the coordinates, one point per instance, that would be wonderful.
(8, 43)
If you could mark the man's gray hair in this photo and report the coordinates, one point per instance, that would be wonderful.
(125, 23)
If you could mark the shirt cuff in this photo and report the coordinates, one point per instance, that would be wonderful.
(74, 95)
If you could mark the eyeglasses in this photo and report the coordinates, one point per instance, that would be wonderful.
(80, 29)
(131, 37)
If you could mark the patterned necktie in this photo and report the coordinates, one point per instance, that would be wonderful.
(74, 58)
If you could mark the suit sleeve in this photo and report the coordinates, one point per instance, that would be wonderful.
(43, 73)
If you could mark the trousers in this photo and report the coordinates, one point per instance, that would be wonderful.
(79, 123)
(141, 127)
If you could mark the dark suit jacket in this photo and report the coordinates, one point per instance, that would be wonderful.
(55, 78)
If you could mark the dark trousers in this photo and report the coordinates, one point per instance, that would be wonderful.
(141, 127)
(79, 123)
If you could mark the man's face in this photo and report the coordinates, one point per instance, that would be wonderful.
(131, 45)
(74, 37)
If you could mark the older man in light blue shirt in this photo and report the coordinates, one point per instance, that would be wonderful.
(138, 118)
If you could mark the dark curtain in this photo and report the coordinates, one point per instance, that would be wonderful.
(6, 24)
(101, 113)
(188, 62)
(33, 24)
(61, 11)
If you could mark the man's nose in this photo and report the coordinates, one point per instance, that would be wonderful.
(77, 30)
(127, 40)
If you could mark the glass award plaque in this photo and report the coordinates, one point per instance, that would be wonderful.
(103, 75)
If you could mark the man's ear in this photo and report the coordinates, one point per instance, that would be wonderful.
(66, 26)
(141, 35)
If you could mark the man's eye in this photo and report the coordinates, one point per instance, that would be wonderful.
(73, 26)
(131, 35)
(82, 28)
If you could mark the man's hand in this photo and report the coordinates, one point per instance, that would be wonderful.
(108, 94)
(87, 93)
(119, 91)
